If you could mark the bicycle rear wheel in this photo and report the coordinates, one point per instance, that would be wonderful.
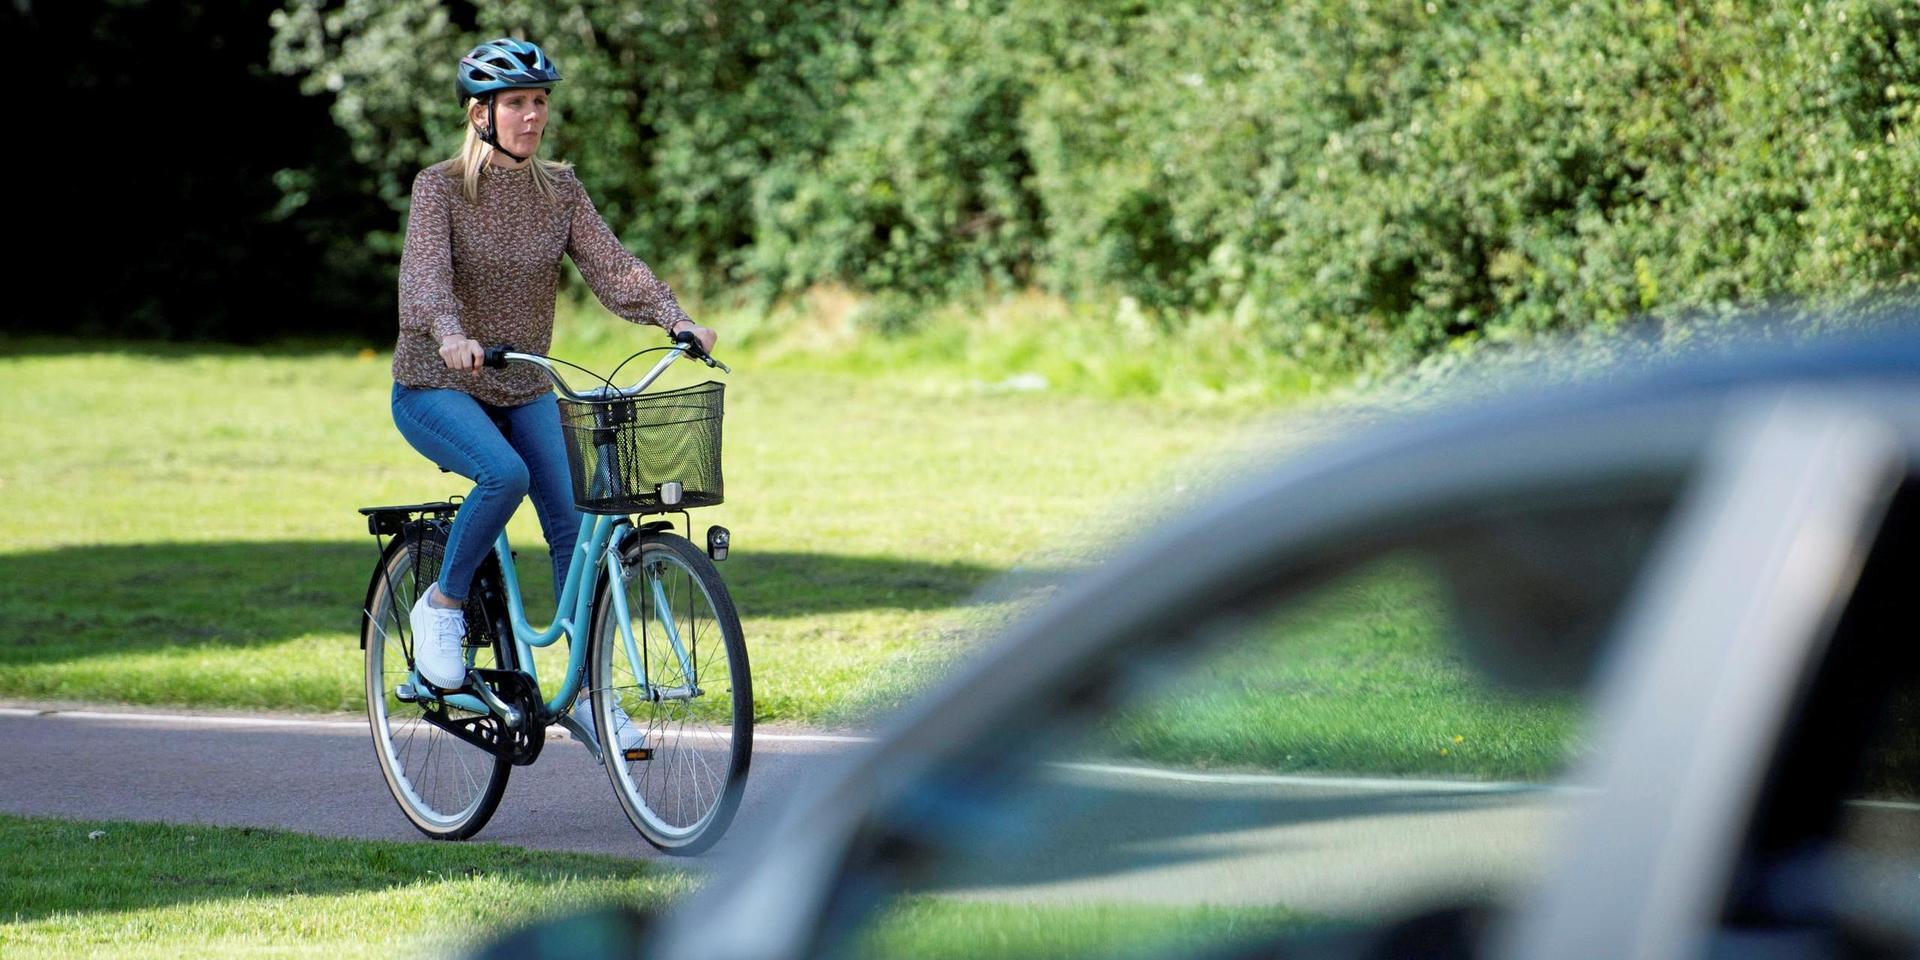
(447, 787)
(693, 700)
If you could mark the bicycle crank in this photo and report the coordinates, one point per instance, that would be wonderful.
(509, 694)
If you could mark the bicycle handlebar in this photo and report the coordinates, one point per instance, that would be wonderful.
(685, 344)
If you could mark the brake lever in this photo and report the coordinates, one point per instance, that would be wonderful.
(691, 344)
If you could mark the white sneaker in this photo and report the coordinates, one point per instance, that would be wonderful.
(628, 733)
(438, 634)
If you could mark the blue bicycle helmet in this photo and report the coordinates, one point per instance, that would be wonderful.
(504, 64)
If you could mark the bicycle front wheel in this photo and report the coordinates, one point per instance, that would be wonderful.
(677, 675)
(447, 787)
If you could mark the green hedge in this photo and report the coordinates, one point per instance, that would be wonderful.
(1345, 178)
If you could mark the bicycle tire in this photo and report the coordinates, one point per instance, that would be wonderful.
(682, 795)
(447, 788)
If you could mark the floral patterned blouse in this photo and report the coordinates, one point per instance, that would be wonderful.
(490, 270)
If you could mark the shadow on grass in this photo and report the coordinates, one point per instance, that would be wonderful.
(51, 867)
(72, 603)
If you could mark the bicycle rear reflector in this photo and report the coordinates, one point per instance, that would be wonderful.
(717, 540)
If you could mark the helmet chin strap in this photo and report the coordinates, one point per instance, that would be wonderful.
(488, 137)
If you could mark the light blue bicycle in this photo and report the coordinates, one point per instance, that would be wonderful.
(663, 652)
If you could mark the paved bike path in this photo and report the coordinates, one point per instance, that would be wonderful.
(318, 776)
(1326, 844)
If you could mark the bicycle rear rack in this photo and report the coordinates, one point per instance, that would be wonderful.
(390, 521)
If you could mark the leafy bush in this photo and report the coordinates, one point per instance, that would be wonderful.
(1351, 181)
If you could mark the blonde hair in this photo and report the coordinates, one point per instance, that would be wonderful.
(475, 154)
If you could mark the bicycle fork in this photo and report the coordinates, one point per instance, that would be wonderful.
(663, 613)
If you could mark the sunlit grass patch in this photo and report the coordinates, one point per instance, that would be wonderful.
(923, 928)
(70, 888)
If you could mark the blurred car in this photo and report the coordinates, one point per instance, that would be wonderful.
(1614, 670)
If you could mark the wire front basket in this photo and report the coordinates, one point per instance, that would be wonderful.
(653, 453)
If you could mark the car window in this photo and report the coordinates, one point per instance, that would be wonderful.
(1835, 842)
(1877, 839)
(1391, 737)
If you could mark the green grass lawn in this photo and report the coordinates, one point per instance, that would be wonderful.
(183, 533)
(930, 928)
(182, 526)
(155, 890)
(74, 888)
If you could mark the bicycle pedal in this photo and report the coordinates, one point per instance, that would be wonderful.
(421, 689)
(638, 753)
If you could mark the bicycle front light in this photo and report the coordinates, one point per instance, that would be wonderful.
(717, 539)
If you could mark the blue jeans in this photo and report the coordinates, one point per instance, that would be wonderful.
(508, 452)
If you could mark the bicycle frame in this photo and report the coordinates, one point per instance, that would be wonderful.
(599, 542)
(597, 547)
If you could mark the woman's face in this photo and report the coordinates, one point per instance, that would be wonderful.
(522, 115)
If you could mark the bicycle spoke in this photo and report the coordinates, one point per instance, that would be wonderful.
(467, 771)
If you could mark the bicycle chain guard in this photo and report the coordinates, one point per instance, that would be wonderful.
(520, 745)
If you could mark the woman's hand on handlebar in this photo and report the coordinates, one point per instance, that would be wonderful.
(705, 337)
(461, 353)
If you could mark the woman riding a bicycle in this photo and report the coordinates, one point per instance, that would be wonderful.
(481, 266)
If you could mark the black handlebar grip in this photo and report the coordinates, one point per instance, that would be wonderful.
(496, 356)
(692, 343)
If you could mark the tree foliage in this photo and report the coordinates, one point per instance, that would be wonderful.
(1340, 175)
(1342, 178)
